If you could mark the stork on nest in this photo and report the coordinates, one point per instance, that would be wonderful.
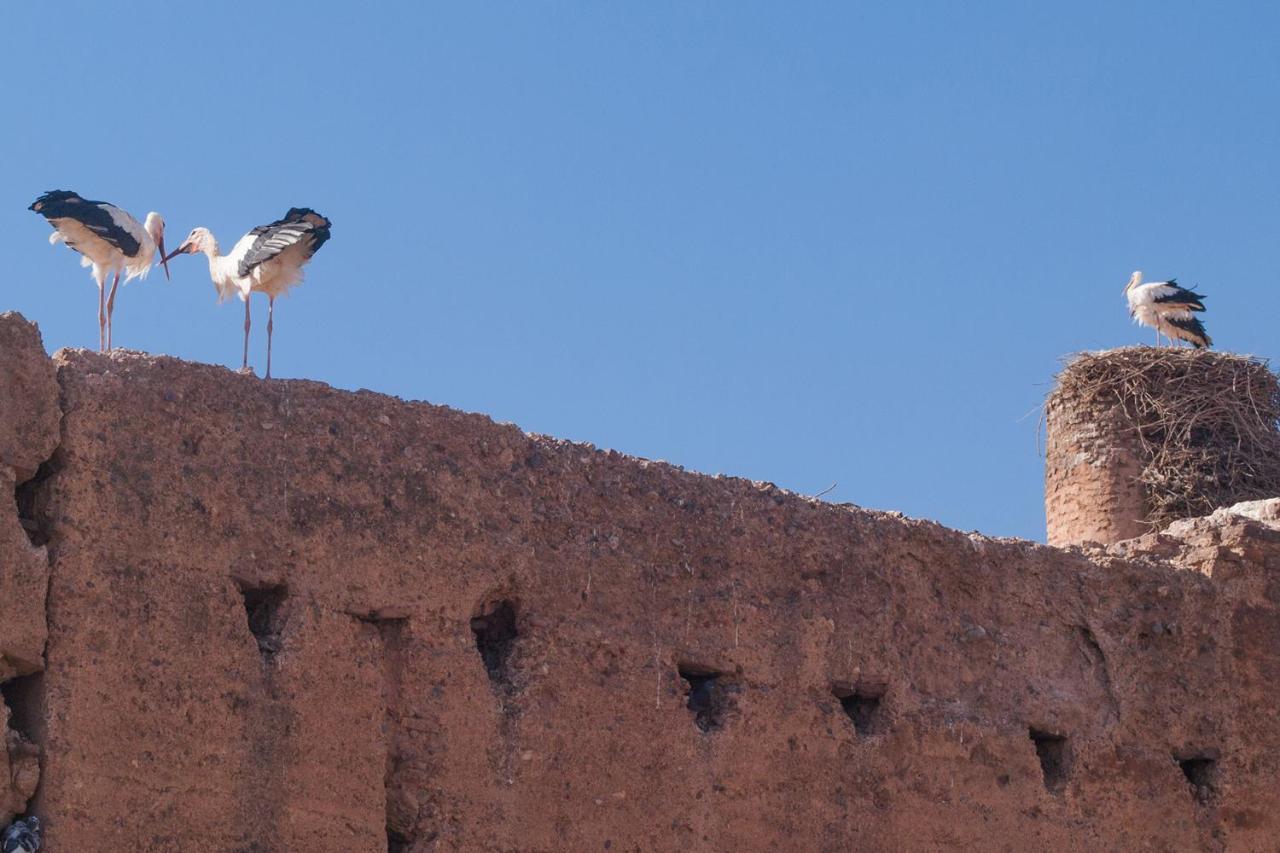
(1168, 308)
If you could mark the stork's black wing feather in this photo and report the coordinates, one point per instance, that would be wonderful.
(64, 204)
(1181, 296)
(320, 225)
(301, 225)
(1194, 330)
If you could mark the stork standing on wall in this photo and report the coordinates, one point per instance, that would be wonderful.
(109, 240)
(269, 259)
(1168, 308)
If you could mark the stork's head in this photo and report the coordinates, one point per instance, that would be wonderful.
(1134, 280)
(199, 240)
(155, 227)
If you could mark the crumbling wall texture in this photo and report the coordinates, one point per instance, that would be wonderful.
(1093, 490)
(284, 617)
(29, 417)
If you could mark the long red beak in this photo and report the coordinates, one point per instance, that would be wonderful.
(164, 261)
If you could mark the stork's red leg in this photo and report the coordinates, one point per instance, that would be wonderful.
(244, 366)
(271, 310)
(111, 307)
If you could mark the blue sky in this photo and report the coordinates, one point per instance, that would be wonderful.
(807, 243)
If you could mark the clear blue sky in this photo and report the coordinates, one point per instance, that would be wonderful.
(807, 243)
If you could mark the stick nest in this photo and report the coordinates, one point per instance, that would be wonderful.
(1206, 422)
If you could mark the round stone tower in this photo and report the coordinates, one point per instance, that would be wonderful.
(1142, 436)
(1093, 488)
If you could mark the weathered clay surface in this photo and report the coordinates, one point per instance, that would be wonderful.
(24, 579)
(263, 609)
(28, 398)
(21, 768)
(29, 418)
(1240, 541)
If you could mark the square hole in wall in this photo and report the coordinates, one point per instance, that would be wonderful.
(1054, 756)
(24, 696)
(862, 705)
(263, 610)
(396, 842)
(708, 697)
(496, 632)
(1200, 769)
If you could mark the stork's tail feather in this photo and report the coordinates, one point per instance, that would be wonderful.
(1190, 329)
(306, 214)
(319, 222)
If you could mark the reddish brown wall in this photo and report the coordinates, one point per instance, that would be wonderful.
(29, 418)
(393, 525)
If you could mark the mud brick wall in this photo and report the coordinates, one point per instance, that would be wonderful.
(282, 617)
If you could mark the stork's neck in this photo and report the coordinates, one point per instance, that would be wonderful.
(210, 248)
(209, 245)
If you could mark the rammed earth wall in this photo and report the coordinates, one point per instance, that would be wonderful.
(285, 617)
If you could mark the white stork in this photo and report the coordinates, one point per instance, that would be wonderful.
(269, 259)
(109, 240)
(1168, 308)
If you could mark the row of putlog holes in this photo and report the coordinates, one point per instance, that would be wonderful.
(1199, 768)
(710, 698)
(709, 694)
(494, 629)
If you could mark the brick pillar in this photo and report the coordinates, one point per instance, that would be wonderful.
(1091, 486)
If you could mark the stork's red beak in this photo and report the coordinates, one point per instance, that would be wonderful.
(164, 261)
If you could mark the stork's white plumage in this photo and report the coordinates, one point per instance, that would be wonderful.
(269, 259)
(108, 239)
(1168, 308)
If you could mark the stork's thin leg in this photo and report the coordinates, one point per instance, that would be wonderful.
(102, 317)
(271, 310)
(244, 365)
(111, 307)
